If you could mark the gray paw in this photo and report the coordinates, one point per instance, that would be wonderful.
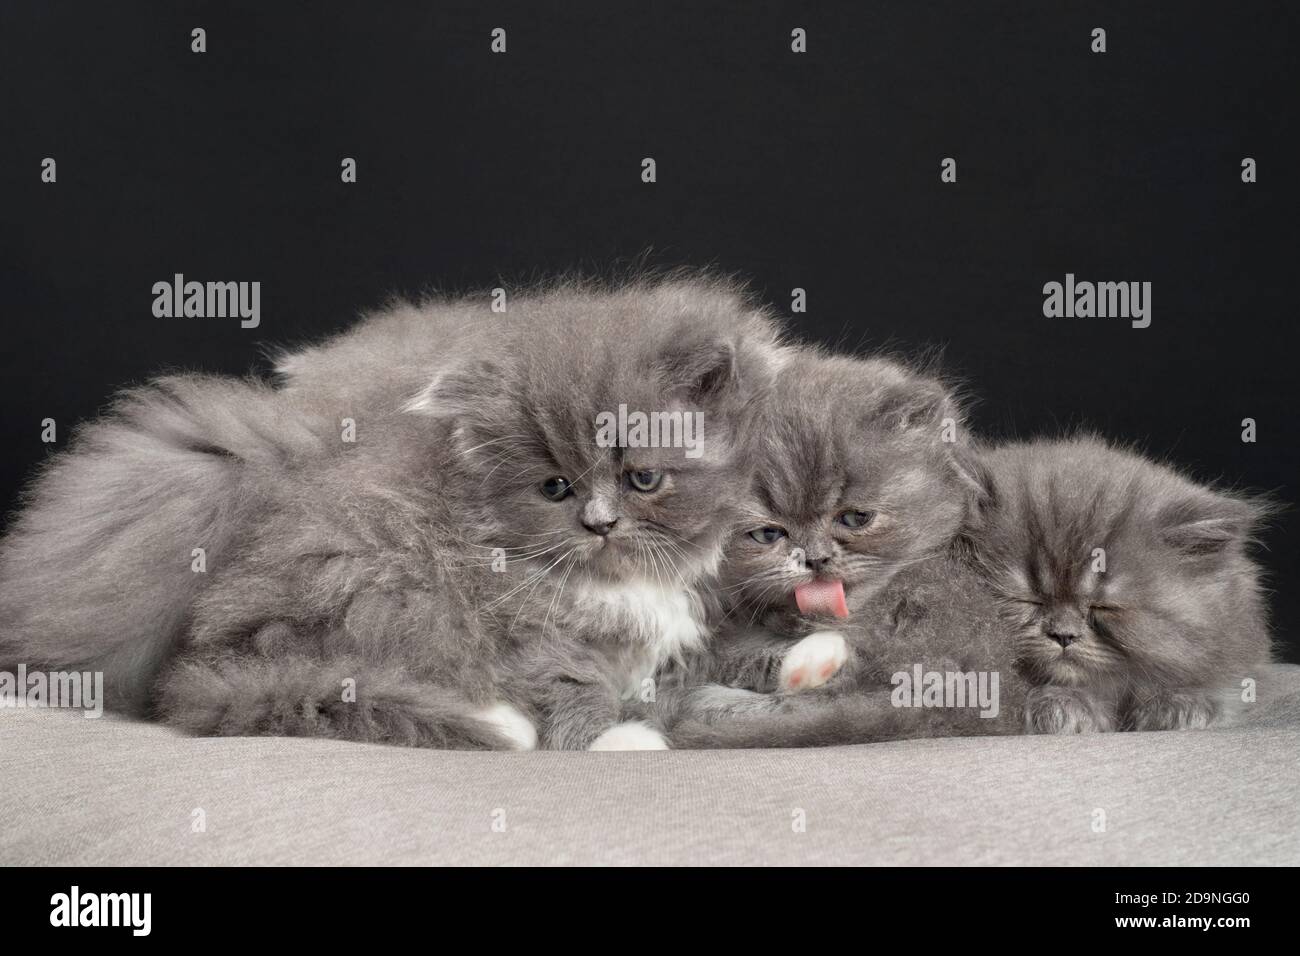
(1064, 710)
(1176, 710)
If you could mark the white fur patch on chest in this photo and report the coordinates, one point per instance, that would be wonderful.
(666, 621)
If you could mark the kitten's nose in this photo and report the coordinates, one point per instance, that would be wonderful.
(815, 562)
(1063, 638)
(598, 516)
(599, 527)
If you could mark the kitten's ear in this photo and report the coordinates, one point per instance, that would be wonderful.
(1207, 524)
(459, 391)
(918, 404)
(977, 481)
(700, 370)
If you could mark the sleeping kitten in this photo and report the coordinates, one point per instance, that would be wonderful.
(1108, 592)
(1129, 592)
(468, 567)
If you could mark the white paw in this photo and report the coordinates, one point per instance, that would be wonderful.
(813, 661)
(507, 721)
(632, 735)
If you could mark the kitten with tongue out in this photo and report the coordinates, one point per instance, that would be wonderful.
(858, 477)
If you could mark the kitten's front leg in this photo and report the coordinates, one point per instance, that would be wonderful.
(1052, 709)
(588, 716)
(764, 662)
(1171, 710)
(749, 659)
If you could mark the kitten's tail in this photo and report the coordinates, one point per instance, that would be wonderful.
(99, 569)
(818, 720)
(339, 698)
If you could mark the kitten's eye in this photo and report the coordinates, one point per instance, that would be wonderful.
(646, 479)
(557, 488)
(768, 535)
(855, 519)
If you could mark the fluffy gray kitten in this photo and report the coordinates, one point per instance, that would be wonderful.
(1129, 591)
(1107, 591)
(863, 478)
(860, 473)
(418, 539)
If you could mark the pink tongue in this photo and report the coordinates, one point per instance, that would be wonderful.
(822, 597)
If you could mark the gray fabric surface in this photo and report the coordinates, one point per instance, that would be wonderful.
(110, 791)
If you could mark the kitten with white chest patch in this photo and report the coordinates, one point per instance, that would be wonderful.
(474, 570)
(529, 562)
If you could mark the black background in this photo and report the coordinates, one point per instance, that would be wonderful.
(818, 170)
(389, 905)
